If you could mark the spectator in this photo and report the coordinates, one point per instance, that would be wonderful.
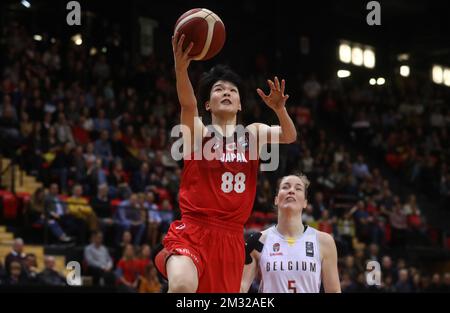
(360, 169)
(126, 239)
(16, 254)
(387, 267)
(57, 212)
(326, 223)
(307, 163)
(347, 283)
(346, 232)
(127, 270)
(312, 89)
(102, 148)
(63, 130)
(307, 216)
(101, 123)
(388, 284)
(412, 203)
(89, 155)
(38, 215)
(154, 218)
(78, 169)
(166, 212)
(446, 284)
(144, 258)
(118, 181)
(360, 285)
(30, 268)
(130, 216)
(399, 226)
(15, 276)
(102, 207)
(79, 208)
(101, 70)
(61, 165)
(49, 276)
(141, 178)
(96, 175)
(435, 285)
(9, 127)
(349, 267)
(318, 205)
(149, 282)
(98, 260)
(416, 283)
(373, 253)
(403, 285)
(361, 217)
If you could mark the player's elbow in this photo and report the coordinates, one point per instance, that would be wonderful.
(289, 138)
(188, 105)
(333, 289)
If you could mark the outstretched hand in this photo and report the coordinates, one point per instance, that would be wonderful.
(181, 58)
(276, 99)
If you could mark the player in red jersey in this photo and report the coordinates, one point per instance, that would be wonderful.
(205, 250)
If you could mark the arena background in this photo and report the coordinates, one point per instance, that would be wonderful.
(377, 154)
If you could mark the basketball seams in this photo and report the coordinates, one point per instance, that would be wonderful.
(211, 23)
(211, 19)
(199, 14)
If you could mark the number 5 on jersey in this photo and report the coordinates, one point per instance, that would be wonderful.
(291, 286)
(230, 182)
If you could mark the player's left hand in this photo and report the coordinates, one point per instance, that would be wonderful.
(276, 99)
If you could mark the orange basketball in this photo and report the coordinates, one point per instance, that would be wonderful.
(205, 29)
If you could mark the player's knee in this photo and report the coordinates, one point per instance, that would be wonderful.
(182, 283)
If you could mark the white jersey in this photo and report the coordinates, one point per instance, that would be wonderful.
(292, 265)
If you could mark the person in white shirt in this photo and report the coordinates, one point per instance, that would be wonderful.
(291, 257)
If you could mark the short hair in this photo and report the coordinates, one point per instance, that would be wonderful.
(218, 72)
(302, 177)
(95, 233)
(18, 240)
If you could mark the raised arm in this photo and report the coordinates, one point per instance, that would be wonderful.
(276, 100)
(182, 60)
(189, 112)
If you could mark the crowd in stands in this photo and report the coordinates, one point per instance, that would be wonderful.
(96, 131)
(404, 123)
(21, 269)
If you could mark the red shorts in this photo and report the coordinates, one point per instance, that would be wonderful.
(217, 250)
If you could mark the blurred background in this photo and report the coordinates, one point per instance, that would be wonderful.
(86, 113)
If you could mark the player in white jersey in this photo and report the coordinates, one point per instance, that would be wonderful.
(291, 257)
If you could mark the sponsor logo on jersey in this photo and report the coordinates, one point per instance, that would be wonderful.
(181, 226)
(184, 251)
(309, 249)
(276, 249)
(231, 146)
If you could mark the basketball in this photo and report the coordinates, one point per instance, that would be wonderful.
(205, 29)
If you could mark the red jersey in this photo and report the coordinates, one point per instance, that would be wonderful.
(223, 188)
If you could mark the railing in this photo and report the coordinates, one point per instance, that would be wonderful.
(11, 167)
